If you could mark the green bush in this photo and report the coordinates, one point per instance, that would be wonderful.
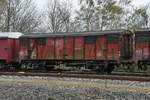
(50, 98)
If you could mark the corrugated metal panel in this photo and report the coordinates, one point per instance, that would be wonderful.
(142, 39)
(50, 48)
(90, 40)
(101, 47)
(113, 52)
(142, 50)
(4, 49)
(79, 52)
(112, 38)
(69, 48)
(89, 51)
(59, 48)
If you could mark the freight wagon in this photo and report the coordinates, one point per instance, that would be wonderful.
(101, 50)
(142, 48)
(9, 48)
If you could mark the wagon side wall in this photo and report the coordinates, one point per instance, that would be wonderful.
(142, 47)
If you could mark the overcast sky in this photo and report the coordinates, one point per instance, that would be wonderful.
(42, 3)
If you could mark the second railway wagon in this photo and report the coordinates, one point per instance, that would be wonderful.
(94, 50)
(9, 48)
(142, 48)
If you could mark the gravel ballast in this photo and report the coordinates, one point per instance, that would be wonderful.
(42, 88)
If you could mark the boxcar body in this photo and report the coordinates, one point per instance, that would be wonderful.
(9, 48)
(92, 49)
(142, 47)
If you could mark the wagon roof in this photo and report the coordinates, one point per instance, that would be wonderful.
(10, 34)
(40, 35)
(143, 30)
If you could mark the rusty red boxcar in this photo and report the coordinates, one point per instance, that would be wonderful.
(9, 47)
(97, 50)
(142, 47)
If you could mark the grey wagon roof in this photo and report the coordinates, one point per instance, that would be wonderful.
(142, 30)
(40, 35)
(14, 35)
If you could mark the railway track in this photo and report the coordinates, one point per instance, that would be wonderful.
(113, 76)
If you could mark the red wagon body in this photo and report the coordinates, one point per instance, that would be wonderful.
(142, 47)
(85, 48)
(9, 46)
(71, 47)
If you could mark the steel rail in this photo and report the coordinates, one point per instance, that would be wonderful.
(89, 76)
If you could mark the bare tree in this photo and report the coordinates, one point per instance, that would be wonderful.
(21, 16)
(110, 14)
(2, 6)
(59, 17)
(134, 17)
